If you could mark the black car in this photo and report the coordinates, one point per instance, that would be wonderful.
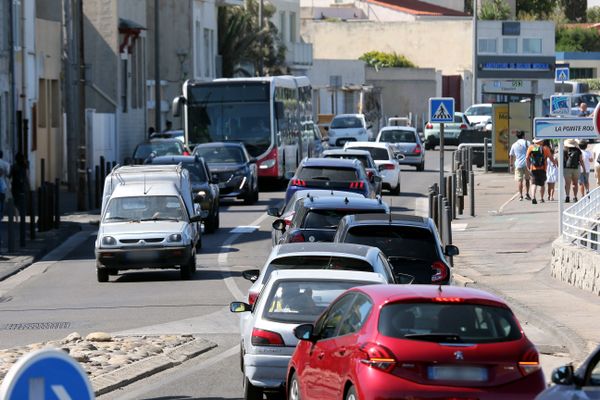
(202, 184)
(317, 218)
(233, 167)
(411, 243)
(158, 147)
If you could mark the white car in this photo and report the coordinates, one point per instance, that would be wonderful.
(406, 141)
(290, 298)
(479, 115)
(386, 160)
(348, 128)
(452, 131)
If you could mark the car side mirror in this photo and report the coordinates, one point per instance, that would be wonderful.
(251, 274)
(279, 225)
(564, 375)
(273, 212)
(239, 307)
(326, 128)
(377, 178)
(252, 160)
(198, 198)
(304, 332)
(451, 250)
(196, 218)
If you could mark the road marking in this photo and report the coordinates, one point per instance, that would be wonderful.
(244, 229)
(459, 227)
(506, 203)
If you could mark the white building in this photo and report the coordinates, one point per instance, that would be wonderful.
(299, 57)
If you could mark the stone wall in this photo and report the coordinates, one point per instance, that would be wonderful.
(576, 266)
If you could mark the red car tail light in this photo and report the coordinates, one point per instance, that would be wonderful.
(186, 153)
(463, 126)
(440, 272)
(357, 185)
(297, 238)
(429, 126)
(417, 149)
(252, 298)
(298, 182)
(369, 174)
(261, 337)
(530, 362)
(377, 356)
(386, 166)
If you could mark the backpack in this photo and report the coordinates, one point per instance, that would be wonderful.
(572, 160)
(536, 157)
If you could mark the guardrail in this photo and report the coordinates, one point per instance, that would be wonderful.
(581, 222)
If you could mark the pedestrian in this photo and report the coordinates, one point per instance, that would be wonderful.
(19, 182)
(169, 126)
(4, 171)
(583, 111)
(571, 164)
(518, 155)
(551, 171)
(536, 159)
(151, 131)
(584, 173)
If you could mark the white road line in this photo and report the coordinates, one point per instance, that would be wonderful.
(506, 203)
(244, 229)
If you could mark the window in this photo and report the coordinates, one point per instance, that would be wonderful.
(54, 106)
(206, 52)
(328, 325)
(595, 375)
(377, 153)
(282, 25)
(532, 46)
(124, 85)
(328, 173)
(42, 104)
(509, 46)
(198, 67)
(582, 73)
(357, 315)
(293, 27)
(487, 46)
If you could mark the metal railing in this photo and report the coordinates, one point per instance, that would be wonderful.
(581, 222)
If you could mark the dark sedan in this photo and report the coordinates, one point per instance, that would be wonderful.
(202, 185)
(233, 167)
(158, 147)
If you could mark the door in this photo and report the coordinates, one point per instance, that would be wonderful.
(451, 87)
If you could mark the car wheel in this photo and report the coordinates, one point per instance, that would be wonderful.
(186, 270)
(396, 191)
(421, 167)
(294, 388)
(351, 395)
(211, 224)
(101, 274)
(252, 392)
(251, 197)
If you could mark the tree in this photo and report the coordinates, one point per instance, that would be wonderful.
(593, 14)
(577, 39)
(494, 10)
(379, 59)
(575, 10)
(538, 9)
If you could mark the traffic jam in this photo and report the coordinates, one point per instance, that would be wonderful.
(354, 301)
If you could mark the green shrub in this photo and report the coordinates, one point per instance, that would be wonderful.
(577, 39)
(379, 59)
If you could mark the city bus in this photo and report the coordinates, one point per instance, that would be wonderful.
(267, 114)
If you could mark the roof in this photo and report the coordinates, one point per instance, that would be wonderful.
(349, 115)
(397, 219)
(330, 162)
(418, 8)
(379, 145)
(339, 202)
(390, 293)
(325, 274)
(324, 193)
(167, 160)
(323, 248)
(347, 151)
(398, 128)
(148, 189)
(219, 144)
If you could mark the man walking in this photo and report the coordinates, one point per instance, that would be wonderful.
(536, 159)
(518, 155)
(573, 161)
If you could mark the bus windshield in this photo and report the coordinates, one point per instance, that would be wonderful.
(230, 112)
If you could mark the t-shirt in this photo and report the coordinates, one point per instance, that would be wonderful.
(547, 154)
(519, 151)
(586, 154)
(571, 157)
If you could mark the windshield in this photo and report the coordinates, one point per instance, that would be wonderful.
(346, 122)
(317, 262)
(170, 148)
(330, 219)
(443, 322)
(302, 301)
(197, 174)
(144, 208)
(225, 154)
(231, 111)
(376, 152)
(398, 136)
(479, 111)
(364, 160)
(328, 173)
(398, 241)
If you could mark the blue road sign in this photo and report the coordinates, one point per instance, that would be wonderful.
(44, 375)
(441, 109)
(560, 105)
(561, 74)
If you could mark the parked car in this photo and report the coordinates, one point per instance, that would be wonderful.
(158, 147)
(405, 141)
(316, 143)
(339, 256)
(364, 157)
(289, 298)
(479, 115)
(349, 128)
(202, 184)
(451, 131)
(414, 342)
(317, 218)
(571, 384)
(327, 173)
(387, 162)
(175, 134)
(412, 244)
(290, 208)
(233, 168)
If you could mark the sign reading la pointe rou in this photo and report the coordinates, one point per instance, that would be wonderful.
(564, 128)
(46, 374)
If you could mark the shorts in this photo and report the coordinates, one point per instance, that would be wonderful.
(571, 174)
(539, 177)
(584, 178)
(521, 173)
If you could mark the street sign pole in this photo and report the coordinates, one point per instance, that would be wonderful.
(560, 186)
(442, 155)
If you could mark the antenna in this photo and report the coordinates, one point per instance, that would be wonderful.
(346, 200)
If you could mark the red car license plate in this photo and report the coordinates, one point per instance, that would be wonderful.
(453, 373)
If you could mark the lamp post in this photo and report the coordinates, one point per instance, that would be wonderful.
(475, 52)
(157, 110)
(260, 38)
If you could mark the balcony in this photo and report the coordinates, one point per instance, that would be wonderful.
(299, 55)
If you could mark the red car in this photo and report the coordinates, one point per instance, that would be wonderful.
(413, 342)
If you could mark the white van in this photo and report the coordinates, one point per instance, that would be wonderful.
(148, 220)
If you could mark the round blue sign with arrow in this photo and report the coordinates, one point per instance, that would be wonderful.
(46, 374)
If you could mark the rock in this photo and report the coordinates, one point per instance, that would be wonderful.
(119, 360)
(79, 356)
(153, 349)
(99, 337)
(73, 337)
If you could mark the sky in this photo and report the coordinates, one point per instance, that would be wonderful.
(593, 3)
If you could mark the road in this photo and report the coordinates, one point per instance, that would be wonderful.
(65, 290)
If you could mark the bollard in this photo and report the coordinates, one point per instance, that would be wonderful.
(103, 171)
(485, 155)
(22, 227)
(40, 213)
(97, 181)
(453, 183)
(430, 195)
(56, 203)
(435, 209)
(470, 158)
(31, 212)
(88, 173)
(449, 235)
(43, 170)
(49, 205)
(10, 228)
(472, 193)
(440, 212)
(449, 192)
(445, 222)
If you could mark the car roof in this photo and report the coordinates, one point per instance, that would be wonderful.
(339, 202)
(324, 193)
(347, 151)
(323, 248)
(399, 128)
(325, 274)
(174, 159)
(385, 219)
(330, 162)
(391, 293)
(162, 140)
(348, 115)
(380, 145)
(149, 189)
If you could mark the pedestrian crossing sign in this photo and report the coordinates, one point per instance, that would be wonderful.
(561, 74)
(441, 109)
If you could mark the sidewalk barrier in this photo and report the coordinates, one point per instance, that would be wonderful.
(581, 222)
(56, 203)
(11, 229)
(472, 192)
(31, 212)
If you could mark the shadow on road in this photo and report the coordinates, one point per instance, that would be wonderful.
(169, 275)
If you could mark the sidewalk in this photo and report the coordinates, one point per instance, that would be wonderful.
(507, 247)
(71, 223)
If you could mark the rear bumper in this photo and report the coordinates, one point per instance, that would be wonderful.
(266, 371)
(411, 160)
(138, 258)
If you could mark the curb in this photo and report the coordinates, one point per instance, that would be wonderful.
(147, 367)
